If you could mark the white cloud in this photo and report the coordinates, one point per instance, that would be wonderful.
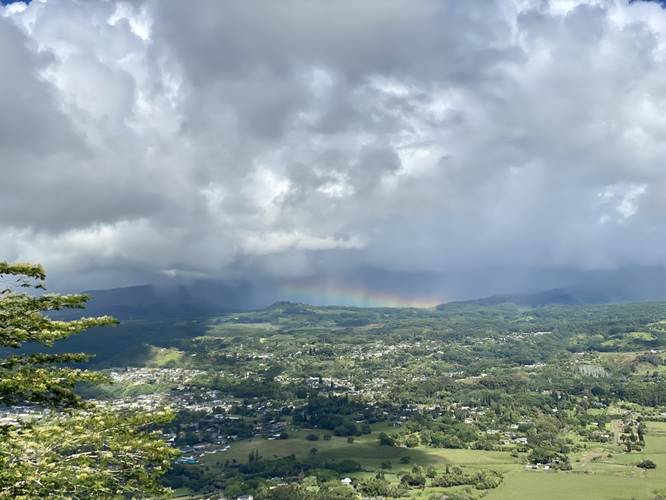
(163, 137)
(622, 199)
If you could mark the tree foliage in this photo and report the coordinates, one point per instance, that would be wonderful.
(78, 450)
(82, 455)
(32, 378)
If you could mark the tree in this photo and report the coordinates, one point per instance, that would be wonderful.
(253, 457)
(413, 480)
(289, 492)
(385, 440)
(79, 450)
(32, 378)
(83, 455)
(412, 441)
(642, 429)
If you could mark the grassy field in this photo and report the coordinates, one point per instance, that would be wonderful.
(574, 485)
(615, 477)
(364, 450)
(596, 475)
(162, 357)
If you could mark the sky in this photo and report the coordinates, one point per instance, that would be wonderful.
(225, 139)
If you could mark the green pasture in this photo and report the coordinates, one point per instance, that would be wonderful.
(607, 478)
(604, 472)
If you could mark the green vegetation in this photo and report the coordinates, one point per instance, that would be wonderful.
(464, 400)
(75, 450)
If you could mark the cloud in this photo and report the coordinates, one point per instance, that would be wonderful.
(220, 137)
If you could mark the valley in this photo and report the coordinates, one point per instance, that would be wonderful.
(458, 401)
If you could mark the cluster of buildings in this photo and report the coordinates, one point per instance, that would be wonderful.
(13, 415)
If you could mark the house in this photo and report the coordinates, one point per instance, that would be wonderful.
(346, 481)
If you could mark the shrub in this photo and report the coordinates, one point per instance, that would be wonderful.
(486, 480)
(413, 480)
(412, 441)
(385, 440)
(379, 488)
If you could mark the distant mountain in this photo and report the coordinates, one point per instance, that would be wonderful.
(169, 299)
(197, 298)
(638, 284)
(542, 298)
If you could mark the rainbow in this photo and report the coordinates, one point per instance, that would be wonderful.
(345, 295)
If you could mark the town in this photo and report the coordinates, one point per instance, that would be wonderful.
(347, 402)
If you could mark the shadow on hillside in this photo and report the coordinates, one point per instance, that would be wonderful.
(127, 344)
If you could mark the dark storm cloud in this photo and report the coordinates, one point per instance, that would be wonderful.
(226, 138)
